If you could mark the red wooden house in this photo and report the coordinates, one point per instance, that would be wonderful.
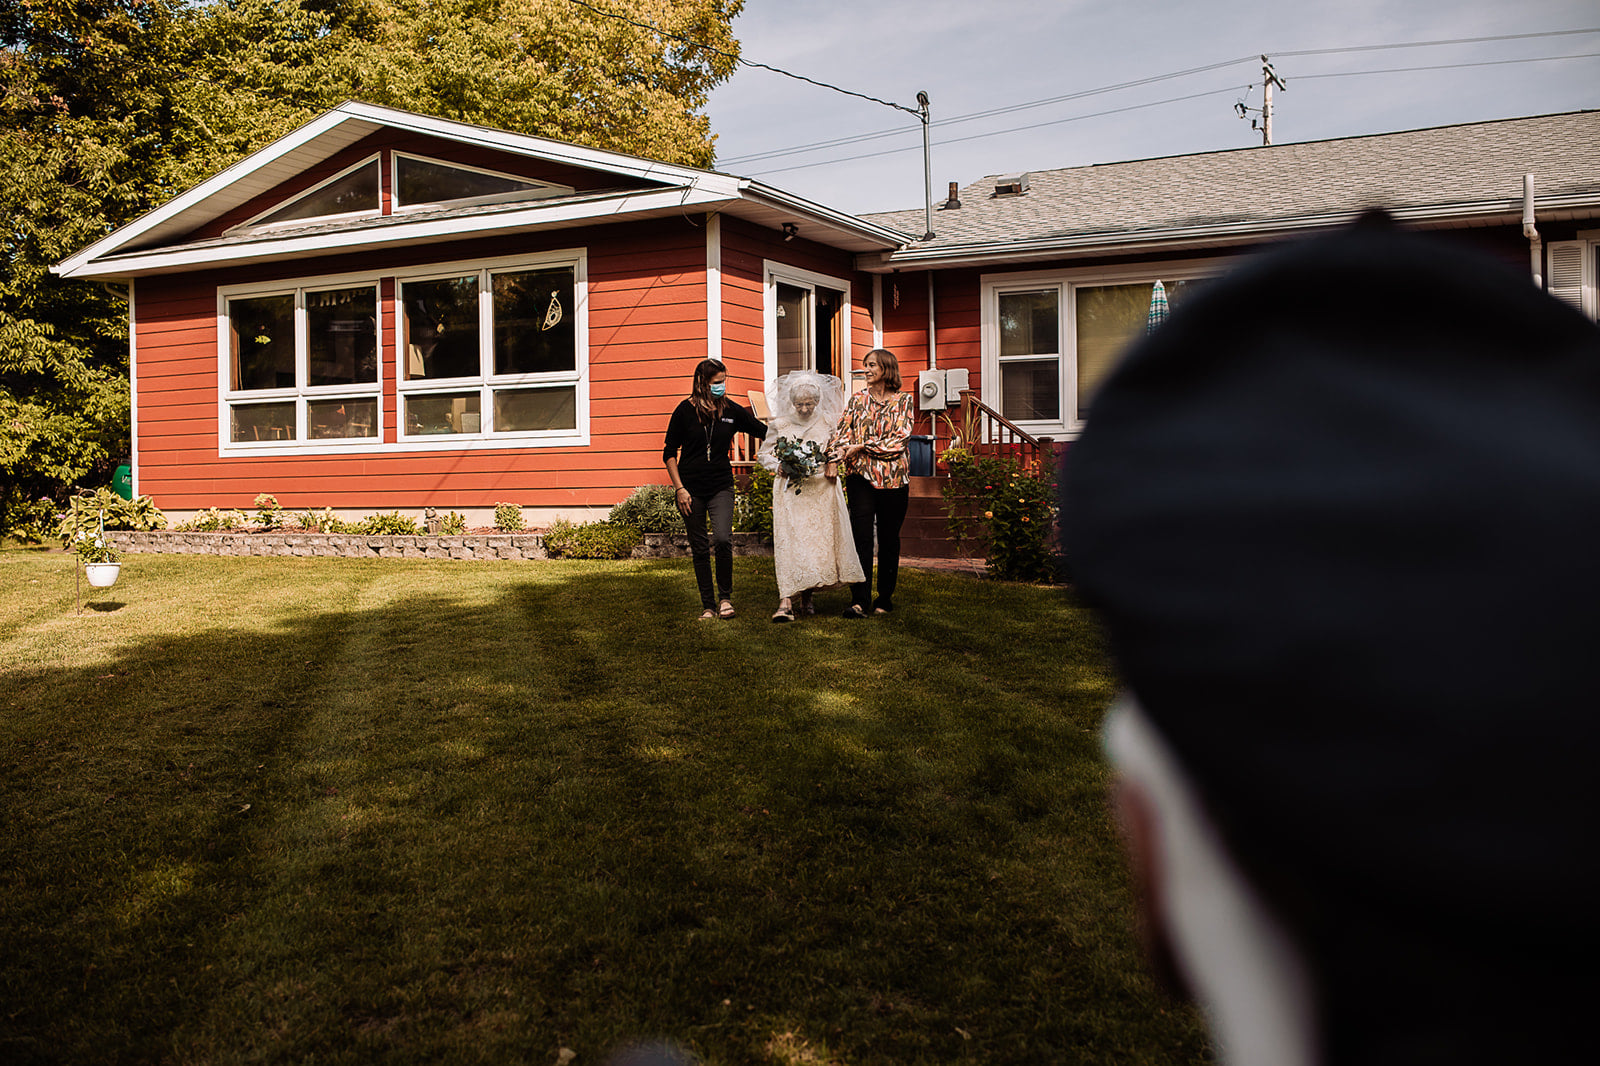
(384, 310)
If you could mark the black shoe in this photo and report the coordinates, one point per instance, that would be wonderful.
(854, 611)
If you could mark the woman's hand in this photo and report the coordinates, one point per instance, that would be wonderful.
(830, 470)
(685, 501)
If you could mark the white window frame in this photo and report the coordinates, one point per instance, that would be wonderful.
(486, 382)
(1066, 283)
(543, 190)
(255, 225)
(1580, 288)
(772, 273)
(300, 393)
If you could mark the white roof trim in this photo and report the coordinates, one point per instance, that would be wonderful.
(361, 120)
(422, 231)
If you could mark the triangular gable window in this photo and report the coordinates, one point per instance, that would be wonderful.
(427, 181)
(350, 193)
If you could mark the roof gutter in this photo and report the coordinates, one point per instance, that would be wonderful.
(983, 253)
(757, 192)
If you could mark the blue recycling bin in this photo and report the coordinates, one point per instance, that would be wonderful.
(921, 454)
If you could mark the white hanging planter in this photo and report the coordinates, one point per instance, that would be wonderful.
(102, 575)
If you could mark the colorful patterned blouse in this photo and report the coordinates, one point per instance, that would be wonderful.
(884, 427)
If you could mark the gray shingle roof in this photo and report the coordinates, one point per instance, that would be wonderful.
(1446, 165)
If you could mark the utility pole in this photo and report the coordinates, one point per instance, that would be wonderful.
(1269, 78)
(923, 112)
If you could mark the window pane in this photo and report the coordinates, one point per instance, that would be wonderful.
(1030, 323)
(461, 413)
(534, 330)
(526, 410)
(441, 328)
(830, 331)
(343, 327)
(262, 421)
(793, 329)
(422, 182)
(1030, 390)
(1110, 317)
(356, 191)
(342, 418)
(261, 333)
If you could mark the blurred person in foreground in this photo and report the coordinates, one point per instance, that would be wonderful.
(1341, 519)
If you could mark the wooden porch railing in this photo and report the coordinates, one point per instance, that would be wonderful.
(987, 432)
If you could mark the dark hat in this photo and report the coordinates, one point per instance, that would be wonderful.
(1341, 517)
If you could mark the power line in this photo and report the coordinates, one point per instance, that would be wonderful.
(997, 133)
(1084, 93)
(746, 62)
(1446, 66)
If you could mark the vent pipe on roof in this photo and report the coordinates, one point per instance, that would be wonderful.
(1531, 231)
(954, 201)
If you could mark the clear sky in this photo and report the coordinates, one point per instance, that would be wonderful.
(974, 56)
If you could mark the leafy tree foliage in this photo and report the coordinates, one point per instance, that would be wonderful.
(110, 107)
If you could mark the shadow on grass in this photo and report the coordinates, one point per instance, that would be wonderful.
(478, 813)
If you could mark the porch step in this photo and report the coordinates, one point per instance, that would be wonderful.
(925, 534)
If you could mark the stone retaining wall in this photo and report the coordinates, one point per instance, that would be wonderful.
(422, 546)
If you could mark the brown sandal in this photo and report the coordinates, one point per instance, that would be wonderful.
(708, 615)
(726, 610)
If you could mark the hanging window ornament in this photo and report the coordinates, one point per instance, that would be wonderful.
(553, 314)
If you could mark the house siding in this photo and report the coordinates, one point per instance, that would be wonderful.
(646, 293)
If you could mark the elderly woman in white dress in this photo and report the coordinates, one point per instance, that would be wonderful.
(811, 542)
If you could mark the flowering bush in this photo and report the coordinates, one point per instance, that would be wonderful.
(1006, 510)
(92, 547)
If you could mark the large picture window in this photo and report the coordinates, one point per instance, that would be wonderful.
(301, 365)
(498, 350)
(1050, 338)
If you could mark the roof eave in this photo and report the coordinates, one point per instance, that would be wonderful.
(1079, 246)
(621, 207)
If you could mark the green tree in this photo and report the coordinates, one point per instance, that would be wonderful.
(110, 107)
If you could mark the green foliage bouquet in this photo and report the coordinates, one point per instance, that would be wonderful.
(798, 459)
(92, 547)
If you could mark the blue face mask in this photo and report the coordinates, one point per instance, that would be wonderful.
(718, 389)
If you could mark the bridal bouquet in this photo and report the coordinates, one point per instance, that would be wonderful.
(798, 459)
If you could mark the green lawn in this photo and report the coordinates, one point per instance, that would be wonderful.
(291, 810)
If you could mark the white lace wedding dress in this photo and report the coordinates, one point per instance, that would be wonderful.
(811, 542)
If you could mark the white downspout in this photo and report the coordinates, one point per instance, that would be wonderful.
(1530, 231)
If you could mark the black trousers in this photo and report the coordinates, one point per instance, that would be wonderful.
(719, 510)
(887, 509)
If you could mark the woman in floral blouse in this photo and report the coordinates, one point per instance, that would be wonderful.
(870, 444)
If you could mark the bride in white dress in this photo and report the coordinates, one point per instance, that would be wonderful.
(811, 542)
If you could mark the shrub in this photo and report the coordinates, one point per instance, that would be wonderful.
(650, 509)
(508, 518)
(323, 521)
(393, 524)
(1007, 511)
(590, 540)
(453, 524)
(269, 515)
(752, 508)
(139, 513)
(212, 520)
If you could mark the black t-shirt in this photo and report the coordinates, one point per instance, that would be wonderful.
(701, 448)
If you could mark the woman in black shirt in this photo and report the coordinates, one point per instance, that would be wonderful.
(696, 453)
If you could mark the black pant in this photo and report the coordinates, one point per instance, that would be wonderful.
(886, 507)
(720, 509)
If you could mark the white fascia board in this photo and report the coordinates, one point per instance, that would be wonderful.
(131, 231)
(526, 144)
(757, 192)
(978, 253)
(610, 209)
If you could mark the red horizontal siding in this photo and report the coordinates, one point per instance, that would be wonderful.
(647, 331)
